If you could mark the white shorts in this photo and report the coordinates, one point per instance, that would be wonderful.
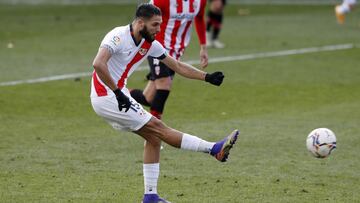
(132, 120)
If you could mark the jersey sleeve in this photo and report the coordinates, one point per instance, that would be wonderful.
(200, 23)
(112, 42)
(157, 50)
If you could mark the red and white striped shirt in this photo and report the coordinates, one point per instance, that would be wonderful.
(126, 56)
(177, 16)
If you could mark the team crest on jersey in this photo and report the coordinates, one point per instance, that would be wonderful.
(116, 40)
(142, 51)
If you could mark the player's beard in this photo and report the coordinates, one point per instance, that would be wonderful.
(146, 35)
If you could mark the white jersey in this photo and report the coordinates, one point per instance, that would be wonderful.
(126, 56)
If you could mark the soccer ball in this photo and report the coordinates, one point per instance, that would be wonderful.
(320, 142)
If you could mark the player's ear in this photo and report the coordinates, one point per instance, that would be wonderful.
(141, 23)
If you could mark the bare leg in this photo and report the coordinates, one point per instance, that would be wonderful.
(149, 91)
(155, 131)
(152, 151)
(163, 83)
(151, 166)
(158, 129)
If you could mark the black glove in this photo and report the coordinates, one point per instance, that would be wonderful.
(123, 100)
(215, 78)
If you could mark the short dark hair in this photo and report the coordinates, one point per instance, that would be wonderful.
(147, 11)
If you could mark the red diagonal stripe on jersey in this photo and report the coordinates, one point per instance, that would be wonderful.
(138, 56)
(99, 88)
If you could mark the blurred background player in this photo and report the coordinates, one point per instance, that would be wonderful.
(178, 17)
(214, 23)
(342, 9)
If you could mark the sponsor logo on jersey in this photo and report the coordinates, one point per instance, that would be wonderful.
(142, 51)
(116, 40)
(180, 16)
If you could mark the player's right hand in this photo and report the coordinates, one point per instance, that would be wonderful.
(215, 78)
(123, 100)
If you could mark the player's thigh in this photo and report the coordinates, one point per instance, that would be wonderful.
(149, 91)
(153, 127)
(163, 83)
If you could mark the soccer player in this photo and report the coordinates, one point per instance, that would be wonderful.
(342, 9)
(214, 23)
(178, 17)
(120, 53)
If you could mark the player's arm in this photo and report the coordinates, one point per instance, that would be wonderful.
(191, 72)
(201, 30)
(101, 68)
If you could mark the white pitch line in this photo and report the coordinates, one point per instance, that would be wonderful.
(280, 53)
(211, 60)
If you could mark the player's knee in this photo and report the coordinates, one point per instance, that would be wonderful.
(154, 142)
(163, 83)
(161, 128)
(159, 125)
(155, 126)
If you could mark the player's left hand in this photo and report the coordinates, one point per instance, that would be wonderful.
(215, 78)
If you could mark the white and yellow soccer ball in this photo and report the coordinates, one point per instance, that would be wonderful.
(321, 142)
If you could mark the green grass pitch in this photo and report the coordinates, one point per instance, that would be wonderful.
(54, 148)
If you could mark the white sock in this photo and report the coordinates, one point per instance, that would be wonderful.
(151, 176)
(193, 143)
